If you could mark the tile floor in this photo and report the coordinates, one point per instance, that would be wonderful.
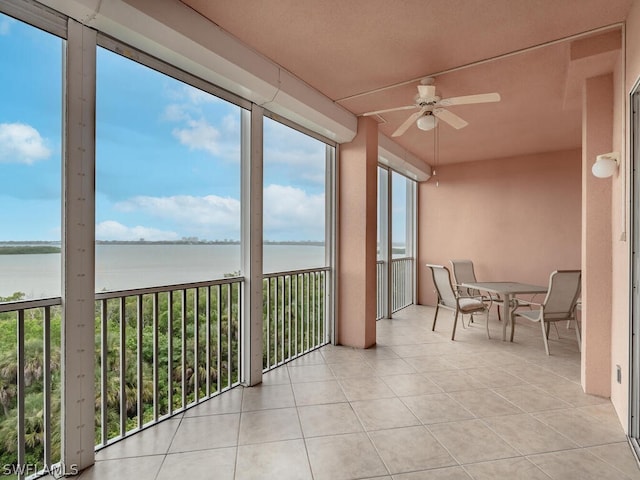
(417, 406)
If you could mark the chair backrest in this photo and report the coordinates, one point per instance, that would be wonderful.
(463, 272)
(442, 281)
(564, 291)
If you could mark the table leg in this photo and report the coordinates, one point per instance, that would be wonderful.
(507, 315)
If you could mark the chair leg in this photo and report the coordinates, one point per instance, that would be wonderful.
(499, 317)
(435, 317)
(513, 327)
(545, 334)
(488, 334)
(455, 322)
(578, 336)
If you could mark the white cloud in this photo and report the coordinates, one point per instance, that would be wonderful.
(289, 214)
(21, 143)
(199, 135)
(292, 214)
(210, 211)
(112, 230)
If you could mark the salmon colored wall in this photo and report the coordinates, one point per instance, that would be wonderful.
(516, 218)
(597, 138)
(621, 227)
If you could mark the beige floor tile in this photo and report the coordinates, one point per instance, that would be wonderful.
(578, 464)
(494, 377)
(277, 376)
(352, 369)
(384, 413)
(269, 425)
(531, 373)
(531, 398)
(312, 358)
(467, 361)
(436, 408)
(343, 457)
(278, 460)
(341, 354)
(406, 351)
(484, 403)
(471, 441)
(390, 366)
(200, 464)
(509, 469)
(140, 468)
(264, 397)
(409, 449)
(203, 433)
(365, 388)
(604, 412)
(572, 394)
(618, 455)
(330, 419)
(410, 384)
(151, 441)
(315, 393)
(378, 351)
(528, 435)
(485, 375)
(430, 363)
(454, 380)
(580, 427)
(310, 373)
(449, 473)
(226, 402)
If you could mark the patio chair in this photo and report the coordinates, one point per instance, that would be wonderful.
(558, 306)
(447, 298)
(463, 272)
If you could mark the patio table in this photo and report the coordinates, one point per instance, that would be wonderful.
(507, 290)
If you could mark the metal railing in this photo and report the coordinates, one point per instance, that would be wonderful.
(160, 350)
(295, 314)
(381, 297)
(402, 285)
(30, 385)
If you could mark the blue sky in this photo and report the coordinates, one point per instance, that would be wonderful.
(167, 154)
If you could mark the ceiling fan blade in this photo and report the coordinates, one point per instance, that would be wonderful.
(377, 112)
(407, 123)
(469, 99)
(451, 118)
(426, 91)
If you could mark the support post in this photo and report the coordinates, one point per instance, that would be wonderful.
(252, 171)
(358, 237)
(78, 233)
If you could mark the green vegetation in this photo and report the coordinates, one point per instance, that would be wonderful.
(27, 249)
(193, 333)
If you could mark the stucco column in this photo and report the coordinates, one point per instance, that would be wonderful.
(357, 237)
(597, 136)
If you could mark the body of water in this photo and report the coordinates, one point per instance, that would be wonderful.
(124, 267)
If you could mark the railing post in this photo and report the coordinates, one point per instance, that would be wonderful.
(78, 318)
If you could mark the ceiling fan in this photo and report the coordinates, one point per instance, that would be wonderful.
(430, 109)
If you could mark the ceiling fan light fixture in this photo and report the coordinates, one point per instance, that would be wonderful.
(427, 122)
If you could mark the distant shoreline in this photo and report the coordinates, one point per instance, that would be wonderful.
(27, 249)
(26, 243)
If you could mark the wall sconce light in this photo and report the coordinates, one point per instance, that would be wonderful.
(605, 165)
